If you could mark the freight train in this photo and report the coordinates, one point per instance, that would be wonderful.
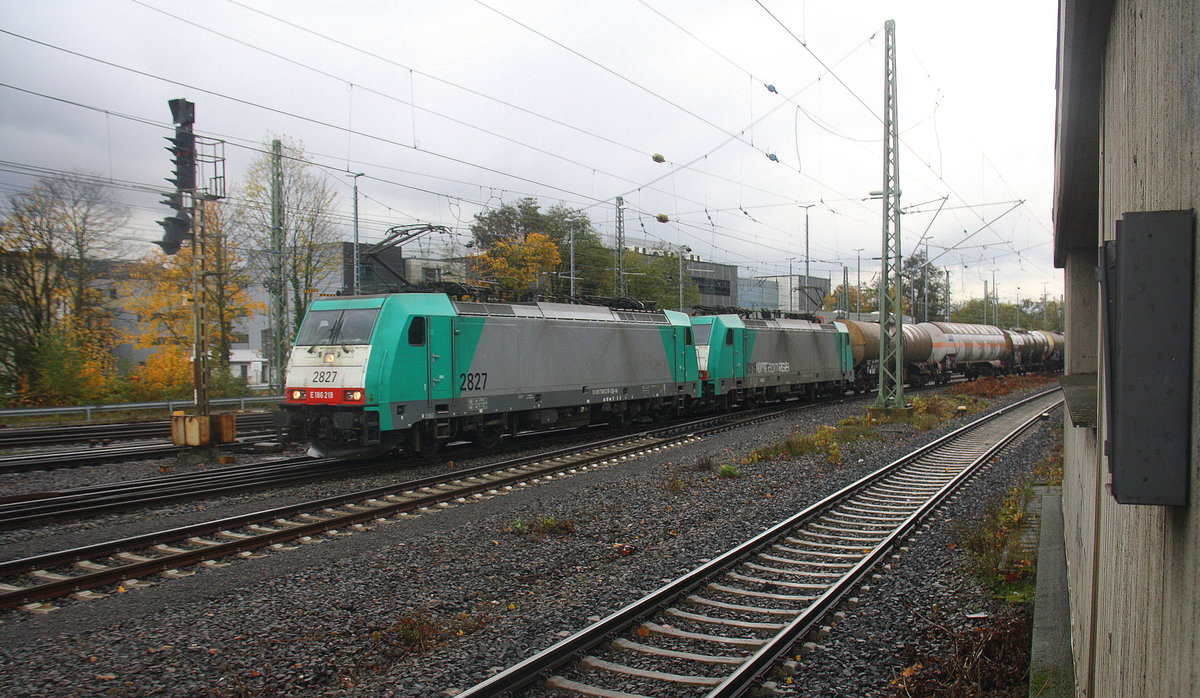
(411, 371)
(936, 351)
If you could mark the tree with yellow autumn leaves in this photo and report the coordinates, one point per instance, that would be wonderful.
(518, 265)
(160, 296)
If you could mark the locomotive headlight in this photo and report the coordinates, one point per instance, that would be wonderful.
(329, 358)
(298, 394)
(352, 395)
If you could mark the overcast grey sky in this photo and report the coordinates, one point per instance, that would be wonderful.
(448, 107)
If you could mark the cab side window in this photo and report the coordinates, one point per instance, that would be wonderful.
(416, 332)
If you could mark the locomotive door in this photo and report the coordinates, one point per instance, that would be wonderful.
(440, 359)
(735, 339)
(683, 339)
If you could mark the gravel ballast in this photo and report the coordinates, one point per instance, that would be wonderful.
(339, 617)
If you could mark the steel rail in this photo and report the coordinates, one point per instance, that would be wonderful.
(43, 506)
(76, 433)
(542, 663)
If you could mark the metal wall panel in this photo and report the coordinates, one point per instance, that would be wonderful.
(1147, 277)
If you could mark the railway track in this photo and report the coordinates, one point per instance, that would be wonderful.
(54, 460)
(248, 424)
(718, 629)
(27, 582)
(22, 510)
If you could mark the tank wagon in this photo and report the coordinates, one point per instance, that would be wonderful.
(935, 351)
(372, 373)
(747, 361)
(865, 340)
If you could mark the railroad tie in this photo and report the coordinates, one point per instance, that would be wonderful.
(48, 576)
(167, 549)
(564, 684)
(630, 645)
(656, 629)
(703, 601)
(775, 582)
(591, 662)
(803, 598)
(728, 622)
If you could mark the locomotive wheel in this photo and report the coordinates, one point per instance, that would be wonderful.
(619, 420)
(425, 444)
(489, 437)
(429, 447)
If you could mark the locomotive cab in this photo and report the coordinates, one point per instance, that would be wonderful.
(325, 399)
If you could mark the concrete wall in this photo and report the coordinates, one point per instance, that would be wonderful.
(1134, 571)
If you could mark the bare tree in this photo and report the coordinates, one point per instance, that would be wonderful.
(51, 239)
(311, 253)
(87, 218)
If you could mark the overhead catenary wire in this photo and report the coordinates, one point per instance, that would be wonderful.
(725, 227)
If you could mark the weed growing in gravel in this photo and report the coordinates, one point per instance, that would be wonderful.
(999, 557)
(999, 387)
(550, 526)
(729, 471)
(703, 464)
(541, 527)
(928, 412)
(989, 658)
(1049, 470)
(826, 440)
(414, 633)
(675, 484)
(418, 632)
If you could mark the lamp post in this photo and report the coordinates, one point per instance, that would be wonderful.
(791, 285)
(806, 271)
(682, 250)
(357, 276)
(858, 286)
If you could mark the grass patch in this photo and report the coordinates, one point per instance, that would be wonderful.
(419, 632)
(414, 633)
(999, 558)
(824, 441)
(540, 528)
(830, 441)
(999, 387)
(729, 471)
(675, 484)
(1049, 470)
(929, 412)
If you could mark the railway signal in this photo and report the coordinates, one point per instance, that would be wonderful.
(178, 226)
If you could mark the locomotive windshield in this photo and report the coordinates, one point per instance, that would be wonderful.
(351, 326)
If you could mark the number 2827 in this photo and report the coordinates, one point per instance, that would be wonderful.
(472, 381)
